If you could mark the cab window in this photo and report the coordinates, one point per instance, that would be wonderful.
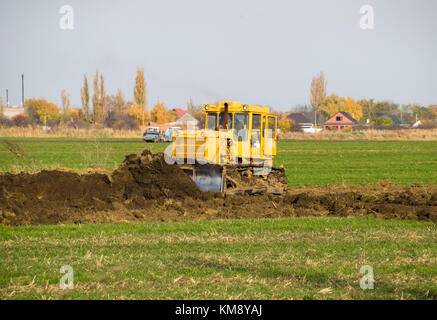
(256, 130)
(222, 120)
(271, 127)
(241, 124)
(212, 121)
(256, 122)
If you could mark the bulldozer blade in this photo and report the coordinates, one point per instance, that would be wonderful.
(209, 177)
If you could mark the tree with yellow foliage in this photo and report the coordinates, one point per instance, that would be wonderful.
(2, 107)
(140, 90)
(160, 114)
(285, 125)
(334, 103)
(140, 115)
(42, 110)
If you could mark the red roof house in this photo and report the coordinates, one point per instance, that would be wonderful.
(179, 112)
(339, 121)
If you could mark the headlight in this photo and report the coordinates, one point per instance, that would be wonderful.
(206, 107)
(244, 108)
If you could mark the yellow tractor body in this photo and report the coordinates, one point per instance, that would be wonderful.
(237, 138)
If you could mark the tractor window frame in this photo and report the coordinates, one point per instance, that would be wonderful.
(209, 117)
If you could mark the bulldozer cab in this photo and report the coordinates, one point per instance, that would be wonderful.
(253, 129)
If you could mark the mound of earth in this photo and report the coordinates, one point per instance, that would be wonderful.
(146, 188)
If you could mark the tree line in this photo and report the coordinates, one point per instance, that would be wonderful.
(98, 109)
(368, 112)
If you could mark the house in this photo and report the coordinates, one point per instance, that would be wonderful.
(185, 121)
(339, 121)
(417, 124)
(300, 120)
(395, 120)
(10, 112)
(180, 112)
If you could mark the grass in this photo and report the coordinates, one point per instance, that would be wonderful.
(305, 162)
(293, 258)
(348, 162)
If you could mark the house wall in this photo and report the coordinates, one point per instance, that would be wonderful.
(333, 120)
(12, 112)
(334, 124)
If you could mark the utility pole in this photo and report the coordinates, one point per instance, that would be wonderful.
(7, 98)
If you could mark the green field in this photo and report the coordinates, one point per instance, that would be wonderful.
(305, 162)
(293, 258)
(289, 258)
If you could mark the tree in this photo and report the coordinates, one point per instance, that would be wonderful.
(140, 90)
(334, 103)
(420, 112)
(20, 120)
(120, 120)
(199, 115)
(119, 102)
(286, 125)
(382, 122)
(102, 98)
(2, 107)
(191, 108)
(136, 111)
(318, 93)
(160, 114)
(85, 96)
(433, 109)
(42, 111)
(97, 104)
(65, 100)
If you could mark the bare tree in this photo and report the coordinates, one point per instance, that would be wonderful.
(119, 102)
(65, 100)
(97, 110)
(318, 93)
(85, 96)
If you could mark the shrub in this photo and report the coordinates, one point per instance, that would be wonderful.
(20, 120)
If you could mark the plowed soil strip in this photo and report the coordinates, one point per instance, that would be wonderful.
(146, 188)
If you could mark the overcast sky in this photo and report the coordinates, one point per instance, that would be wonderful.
(257, 52)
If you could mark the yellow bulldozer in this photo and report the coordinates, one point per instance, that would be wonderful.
(234, 153)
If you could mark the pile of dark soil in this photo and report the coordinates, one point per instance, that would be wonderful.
(146, 188)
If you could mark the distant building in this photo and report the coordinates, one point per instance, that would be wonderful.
(10, 112)
(417, 124)
(395, 120)
(180, 112)
(185, 120)
(300, 120)
(339, 121)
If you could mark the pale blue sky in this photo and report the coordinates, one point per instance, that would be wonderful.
(257, 52)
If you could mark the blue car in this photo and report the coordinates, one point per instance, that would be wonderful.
(168, 135)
